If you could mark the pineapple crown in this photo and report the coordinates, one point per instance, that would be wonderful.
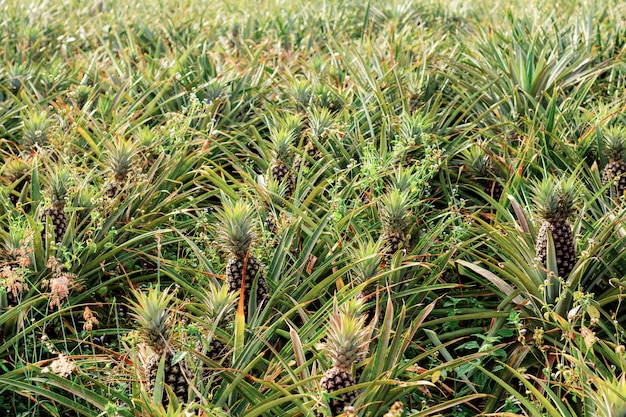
(15, 168)
(291, 122)
(320, 121)
(412, 126)
(347, 336)
(236, 230)
(82, 94)
(282, 139)
(58, 187)
(18, 236)
(608, 396)
(34, 129)
(403, 179)
(152, 315)
(476, 161)
(394, 210)
(146, 138)
(271, 190)
(301, 91)
(554, 198)
(615, 143)
(367, 258)
(120, 158)
(219, 302)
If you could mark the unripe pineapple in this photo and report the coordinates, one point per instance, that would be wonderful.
(151, 312)
(554, 201)
(395, 215)
(480, 168)
(58, 196)
(613, 172)
(280, 168)
(346, 339)
(236, 234)
(120, 160)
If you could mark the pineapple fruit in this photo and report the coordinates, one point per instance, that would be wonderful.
(280, 169)
(554, 201)
(58, 196)
(613, 172)
(395, 215)
(236, 233)
(120, 162)
(151, 312)
(346, 339)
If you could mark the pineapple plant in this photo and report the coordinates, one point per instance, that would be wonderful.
(16, 257)
(35, 126)
(346, 339)
(280, 169)
(55, 213)
(319, 121)
(480, 169)
(236, 233)
(151, 311)
(554, 201)
(367, 260)
(219, 304)
(272, 193)
(15, 175)
(82, 95)
(394, 210)
(613, 172)
(85, 202)
(120, 161)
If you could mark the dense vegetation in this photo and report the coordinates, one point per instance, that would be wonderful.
(312, 208)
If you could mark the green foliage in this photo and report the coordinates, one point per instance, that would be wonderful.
(156, 124)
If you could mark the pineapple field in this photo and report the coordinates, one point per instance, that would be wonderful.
(273, 208)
